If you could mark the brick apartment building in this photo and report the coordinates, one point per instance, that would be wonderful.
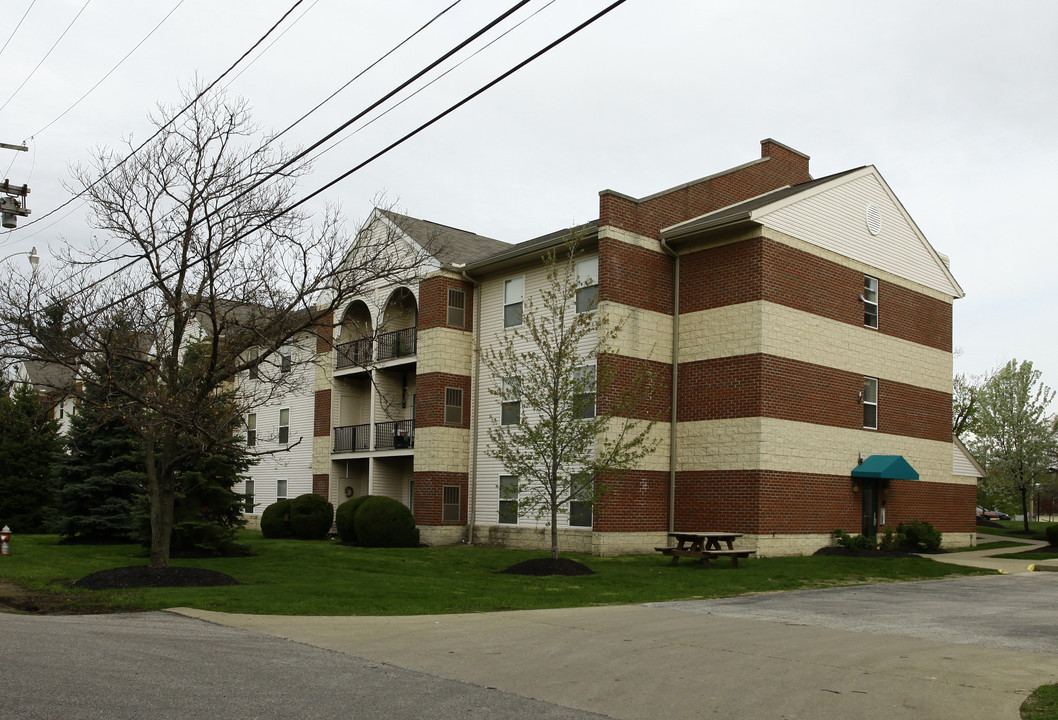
(799, 328)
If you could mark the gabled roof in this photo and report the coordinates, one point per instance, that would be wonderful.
(830, 212)
(44, 375)
(541, 244)
(451, 246)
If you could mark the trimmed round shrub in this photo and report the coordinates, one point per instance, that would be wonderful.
(311, 516)
(1051, 533)
(385, 522)
(275, 520)
(921, 535)
(343, 518)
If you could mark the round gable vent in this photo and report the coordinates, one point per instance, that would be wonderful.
(874, 219)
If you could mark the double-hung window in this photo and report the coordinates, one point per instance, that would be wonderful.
(284, 426)
(281, 489)
(870, 301)
(513, 294)
(286, 360)
(251, 429)
(584, 391)
(587, 284)
(581, 492)
(252, 358)
(511, 402)
(870, 403)
(457, 308)
(248, 497)
(454, 406)
(508, 499)
(450, 504)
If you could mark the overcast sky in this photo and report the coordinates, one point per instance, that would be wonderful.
(954, 102)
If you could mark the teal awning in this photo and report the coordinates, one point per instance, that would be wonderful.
(887, 467)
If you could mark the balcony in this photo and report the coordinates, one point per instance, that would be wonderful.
(390, 346)
(394, 435)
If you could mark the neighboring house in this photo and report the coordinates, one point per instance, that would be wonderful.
(57, 386)
(802, 325)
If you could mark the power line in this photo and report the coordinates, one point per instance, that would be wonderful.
(34, 70)
(111, 71)
(169, 122)
(17, 27)
(229, 243)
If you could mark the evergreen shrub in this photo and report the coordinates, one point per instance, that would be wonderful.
(1051, 533)
(275, 520)
(344, 518)
(920, 535)
(311, 516)
(385, 522)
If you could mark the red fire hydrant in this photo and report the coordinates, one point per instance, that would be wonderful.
(5, 541)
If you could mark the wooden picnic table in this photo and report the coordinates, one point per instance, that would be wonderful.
(705, 546)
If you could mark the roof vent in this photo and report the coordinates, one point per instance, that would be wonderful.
(874, 219)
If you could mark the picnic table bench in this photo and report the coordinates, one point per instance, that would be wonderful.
(705, 546)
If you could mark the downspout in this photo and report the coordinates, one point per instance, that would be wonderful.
(674, 382)
(474, 390)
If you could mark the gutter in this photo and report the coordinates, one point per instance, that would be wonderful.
(475, 393)
(675, 380)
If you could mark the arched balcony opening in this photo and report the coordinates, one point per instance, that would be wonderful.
(355, 336)
(397, 332)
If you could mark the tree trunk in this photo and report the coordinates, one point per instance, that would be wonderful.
(1025, 510)
(162, 497)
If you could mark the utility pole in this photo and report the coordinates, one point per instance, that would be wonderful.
(11, 206)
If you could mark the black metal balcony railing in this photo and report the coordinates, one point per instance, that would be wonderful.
(352, 438)
(355, 353)
(399, 343)
(394, 435)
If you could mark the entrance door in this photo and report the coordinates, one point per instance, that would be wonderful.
(870, 507)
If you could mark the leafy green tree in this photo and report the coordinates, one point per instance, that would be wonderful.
(965, 400)
(1015, 437)
(552, 435)
(29, 449)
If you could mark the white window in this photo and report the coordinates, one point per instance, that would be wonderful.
(252, 356)
(281, 489)
(870, 301)
(511, 402)
(284, 426)
(508, 499)
(870, 403)
(457, 307)
(587, 284)
(286, 360)
(513, 294)
(251, 429)
(248, 497)
(580, 505)
(584, 391)
(453, 406)
(450, 504)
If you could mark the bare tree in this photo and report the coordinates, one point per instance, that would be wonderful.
(198, 278)
(552, 436)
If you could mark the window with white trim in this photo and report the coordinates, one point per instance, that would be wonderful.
(508, 499)
(454, 406)
(870, 403)
(580, 503)
(248, 497)
(457, 307)
(252, 357)
(251, 429)
(450, 504)
(513, 294)
(286, 360)
(587, 284)
(284, 426)
(584, 389)
(511, 402)
(870, 301)
(281, 489)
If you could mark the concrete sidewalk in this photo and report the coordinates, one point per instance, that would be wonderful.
(985, 558)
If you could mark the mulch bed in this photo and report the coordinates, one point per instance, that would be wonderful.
(541, 567)
(138, 576)
(839, 551)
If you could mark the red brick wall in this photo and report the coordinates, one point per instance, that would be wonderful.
(429, 488)
(321, 484)
(433, 302)
(764, 501)
(634, 501)
(430, 398)
(638, 389)
(635, 276)
(321, 420)
(768, 386)
(325, 334)
(647, 217)
(760, 269)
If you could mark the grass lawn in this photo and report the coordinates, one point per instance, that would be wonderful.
(997, 545)
(292, 577)
(1042, 704)
(1015, 528)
